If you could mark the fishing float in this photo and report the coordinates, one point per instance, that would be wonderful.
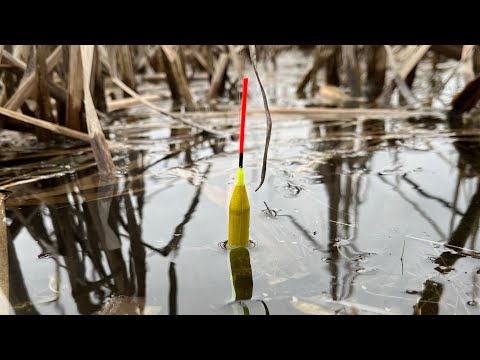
(239, 208)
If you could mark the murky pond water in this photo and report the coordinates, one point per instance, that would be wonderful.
(357, 215)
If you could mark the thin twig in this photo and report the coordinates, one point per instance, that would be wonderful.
(271, 212)
(401, 257)
(477, 254)
(253, 57)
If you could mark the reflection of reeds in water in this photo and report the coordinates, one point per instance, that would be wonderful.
(341, 187)
(343, 191)
(84, 238)
(84, 233)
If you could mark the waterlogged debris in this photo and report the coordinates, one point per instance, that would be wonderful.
(412, 292)
(366, 271)
(349, 307)
(309, 308)
(291, 190)
(152, 310)
(444, 269)
(286, 184)
(362, 257)
(366, 309)
(329, 95)
(122, 305)
(269, 211)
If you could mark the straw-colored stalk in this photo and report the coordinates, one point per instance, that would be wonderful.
(74, 90)
(99, 143)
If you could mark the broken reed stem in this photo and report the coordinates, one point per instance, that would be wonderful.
(98, 83)
(353, 71)
(176, 77)
(56, 92)
(28, 86)
(237, 63)
(43, 95)
(218, 76)
(125, 62)
(333, 114)
(467, 60)
(405, 69)
(454, 70)
(118, 104)
(376, 69)
(322, 52)
(99, 143)
(190, 123)
(74, 90)
(62, 130)
(401, 84)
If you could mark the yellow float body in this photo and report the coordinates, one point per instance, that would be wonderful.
(239, 215)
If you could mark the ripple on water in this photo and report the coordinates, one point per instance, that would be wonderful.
(223, 245)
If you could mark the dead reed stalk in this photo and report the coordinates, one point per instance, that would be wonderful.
(99, 143)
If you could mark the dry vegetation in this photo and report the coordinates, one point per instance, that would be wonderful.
(67, 89)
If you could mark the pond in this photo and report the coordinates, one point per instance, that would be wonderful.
(358, 214)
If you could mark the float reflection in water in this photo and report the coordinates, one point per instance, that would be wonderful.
(242, 283)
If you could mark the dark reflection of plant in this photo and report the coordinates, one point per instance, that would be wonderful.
(430, 297)
(343, 183)
(174, 244)
(83, 235)
(342, 188)
(468, 167)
